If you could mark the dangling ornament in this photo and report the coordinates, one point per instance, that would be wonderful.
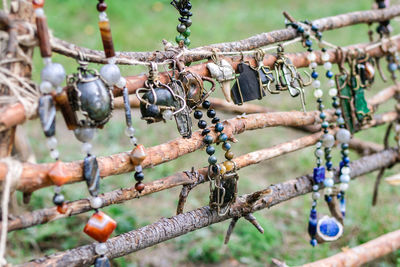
(223, 72)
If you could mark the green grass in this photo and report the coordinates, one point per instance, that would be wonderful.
(140, 26)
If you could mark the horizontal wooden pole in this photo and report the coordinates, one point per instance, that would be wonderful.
(168, 228)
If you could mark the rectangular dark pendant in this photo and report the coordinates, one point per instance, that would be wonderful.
(345, 96)
(47, 115)
(183, 119)
(248, 86)
(91, 173)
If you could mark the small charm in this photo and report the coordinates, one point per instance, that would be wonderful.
(100, 226)
(247, 86)
(138, 154)
(223, 72)
(91, 174)
(329, 229)
(47, 115)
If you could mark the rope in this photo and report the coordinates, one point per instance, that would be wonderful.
(10, 183)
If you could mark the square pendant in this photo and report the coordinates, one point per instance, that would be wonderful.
(100, 226)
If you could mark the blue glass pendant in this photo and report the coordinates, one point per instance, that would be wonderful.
(329, 229)
(319, 174)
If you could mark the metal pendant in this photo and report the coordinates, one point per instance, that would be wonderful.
(90, 95)
(183, 119)
(247, 86)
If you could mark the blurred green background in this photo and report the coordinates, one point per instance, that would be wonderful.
(140, 26)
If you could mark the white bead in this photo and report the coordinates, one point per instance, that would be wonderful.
(325, 56)
(344, 178)
(57, 189)
(343, 136)
(167, 114)
(327, 65)
(53, 73)
(110, 73)
(96, 202)
(345, 170)
(311, 57)
(328, 191)
(138, 168)
(319, 153)
(100, 249)
(129, 131)
(318, 144)
(84, 134)
(328, 140)
(45, 87)
(133, 140)
(121, 83)
(331, 83)
(316, 195)
(328, 182)
(86, 148)
(329, 174)
(51, 142)
(54, 154)
(333, 92)
(315, 187)
(316, 84)
(39, 12)
(344, 187)
(318, 93)
(47, 61)
(397, 128)
(313, 65)
(103, 16)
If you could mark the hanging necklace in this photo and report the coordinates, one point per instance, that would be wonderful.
(184, 7)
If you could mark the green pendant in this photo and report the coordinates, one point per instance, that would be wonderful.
(361, 105)
(345, 102)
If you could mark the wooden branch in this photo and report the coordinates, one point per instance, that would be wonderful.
(168, 228)
(364, 147)
(362, 254)
(42, 216)
(260, 40)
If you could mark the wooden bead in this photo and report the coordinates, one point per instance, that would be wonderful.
(106, 37)
(101, 7)
(139, 186)
(100, 226)
(229, 165)
(138, 154)
(59, 174)
(43, 36)
(66, 110)
(62, 209)
(229, 155)
(38, 3)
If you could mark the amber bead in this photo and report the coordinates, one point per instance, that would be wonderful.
(138, 154)
(62, 208)
(229, 155)
(101, 7)
(59, 174)
(106, 37)
(222, 169)
(139, 186)
(100, 226)
(38, 3)
(229, 165)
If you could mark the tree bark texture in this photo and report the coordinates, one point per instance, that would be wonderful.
(168, 228)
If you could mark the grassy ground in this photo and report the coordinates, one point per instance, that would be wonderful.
(140, 26)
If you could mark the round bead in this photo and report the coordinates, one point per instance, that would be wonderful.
(38, 3)
(208, 139)
(328, 191)
(121, 83)
(322, 115)
(340, 121)
(219, 127)
(345, 170)
(139, 186)
(53, 73)
(328, 140)
(186, 41)
(133, 140)
(45, 87)
(96, 202)
(179, 38)
(222, 137)
(327, 65)
(100, 248)
(58, 199)
(316, 84)
(103, 16)
(101, 7)
(315, 187)
(212, 160)
(84, 134)
(318, 93)
(344, 187)
(316, 195)
(198, 114)
(329, 74)
(344, 178)
(343, 136)
(229, 155)
(211, 113)
(226, 146)
(167, 115)
(329, 174)
(229, 165)
(222, 168)
(206, 104)
(325, 57)
(87, 148)
(311, 57)
(202, 124)
(139, 176)
(319, 153)
(215, 120)
(328, 182)
(313, 65)
(333, 92)
(51, 142)
(129, 131)
(188, 23)
(54, 154)
(205, 132)
(187, 32)
(57, 189)
(110, 73)
(210, 150)
(313, 242)
(181, 28)
(392, 67)
(314, 75)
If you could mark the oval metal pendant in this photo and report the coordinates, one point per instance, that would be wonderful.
(329, 229)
